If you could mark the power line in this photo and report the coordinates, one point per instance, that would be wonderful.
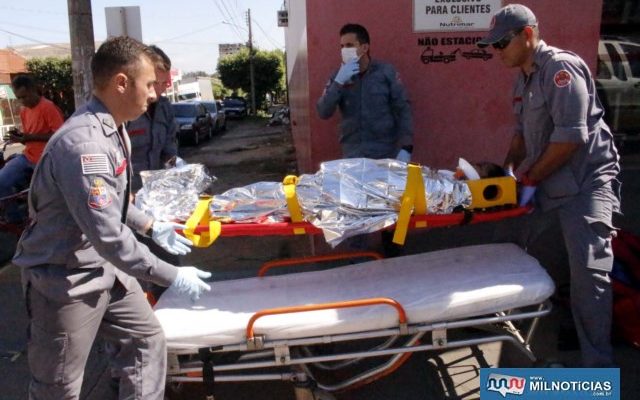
(229, 13)
(32, 11)
(34, 27)
(232, 23)
(273, 42)
(189, 33)
(33, 40)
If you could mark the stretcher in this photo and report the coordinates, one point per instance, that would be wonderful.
(294, 327)
(492, 199)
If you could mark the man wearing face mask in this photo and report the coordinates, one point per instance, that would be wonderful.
(376, 116)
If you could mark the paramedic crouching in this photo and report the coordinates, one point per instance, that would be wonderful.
(79, 256)
(568, 164)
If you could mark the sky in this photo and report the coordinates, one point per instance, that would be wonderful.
(189, 31)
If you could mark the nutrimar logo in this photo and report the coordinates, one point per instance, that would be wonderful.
(506, 384)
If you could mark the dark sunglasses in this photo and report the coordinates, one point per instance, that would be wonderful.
(506, 39)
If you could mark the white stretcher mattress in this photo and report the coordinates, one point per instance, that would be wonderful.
(439, 286)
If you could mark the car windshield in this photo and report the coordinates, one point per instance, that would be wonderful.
(234, 103)
(211, 107)
(184, 110)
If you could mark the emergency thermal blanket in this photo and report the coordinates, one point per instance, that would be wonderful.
(344, 198)
(172, 194)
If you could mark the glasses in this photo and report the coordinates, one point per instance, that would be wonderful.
(506, 39)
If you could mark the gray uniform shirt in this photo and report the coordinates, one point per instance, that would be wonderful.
(78, 241)
(153, 140)
(557, 102)
(376, 115)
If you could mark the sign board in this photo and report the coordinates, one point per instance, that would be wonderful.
(453, 15)
(124, 21)
(6, 93)
(283, 18)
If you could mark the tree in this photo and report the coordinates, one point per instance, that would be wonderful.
(56, 81)
(194, 74)
(268, 71)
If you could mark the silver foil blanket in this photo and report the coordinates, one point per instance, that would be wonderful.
(344, 198)
(172, 194)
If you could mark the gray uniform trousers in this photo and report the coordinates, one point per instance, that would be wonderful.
(586, 225)
(61, 335)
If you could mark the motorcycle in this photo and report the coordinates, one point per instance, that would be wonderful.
(14, 210)
(279, 117)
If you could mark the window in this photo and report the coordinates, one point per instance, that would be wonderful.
(616, 62)
(632, 52)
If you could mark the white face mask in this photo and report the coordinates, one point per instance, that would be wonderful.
(348, 54)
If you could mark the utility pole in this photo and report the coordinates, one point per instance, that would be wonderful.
(82, 48)
(251, 75)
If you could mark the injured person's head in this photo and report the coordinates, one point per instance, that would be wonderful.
(477, 170)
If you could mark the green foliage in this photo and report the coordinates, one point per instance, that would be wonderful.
(56, 81)
(219, 91)
(194, 74)
(268, 73)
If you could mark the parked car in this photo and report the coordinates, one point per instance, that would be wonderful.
(618, 84)
(235, 107)
(194, 121)
(218, 118)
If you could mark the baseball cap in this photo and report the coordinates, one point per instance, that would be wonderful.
(508, 19)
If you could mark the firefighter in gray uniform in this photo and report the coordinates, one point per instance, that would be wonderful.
(79, 257)
(153, 134)
(569, 166)
(376, 115)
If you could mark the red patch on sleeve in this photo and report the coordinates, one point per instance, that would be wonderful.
(562, 78)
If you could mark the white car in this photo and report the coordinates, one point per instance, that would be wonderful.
(618, 82)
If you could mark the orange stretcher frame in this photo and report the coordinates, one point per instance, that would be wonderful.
(234, 229)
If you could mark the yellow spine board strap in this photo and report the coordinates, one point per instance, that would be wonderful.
(413, 200)
(289, 186)
(201, 216)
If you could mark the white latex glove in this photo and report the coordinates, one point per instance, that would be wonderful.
(189, 281)
(165, 235)
(403, 156)
(508, 171)
(347, 71)
(526, 195)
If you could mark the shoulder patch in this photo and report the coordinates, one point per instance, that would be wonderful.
(562, 78)
(94, 164)
(99, 197)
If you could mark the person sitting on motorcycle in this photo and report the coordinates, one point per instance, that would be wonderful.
(40, 119)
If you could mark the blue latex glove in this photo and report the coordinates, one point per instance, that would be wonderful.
(347, 71)
(165, 236)
(403, 156)
(189, 282)
(527, 190)
(526, 195)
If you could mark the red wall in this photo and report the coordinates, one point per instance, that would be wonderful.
(460, 109)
